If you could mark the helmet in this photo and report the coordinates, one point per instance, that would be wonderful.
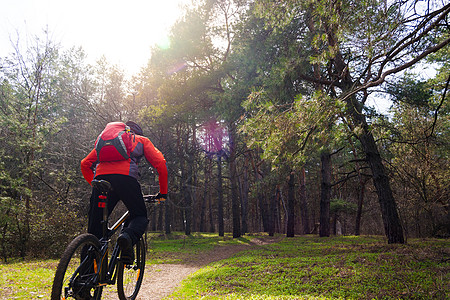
(135, 127)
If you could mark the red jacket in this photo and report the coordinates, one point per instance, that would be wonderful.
(91, 167)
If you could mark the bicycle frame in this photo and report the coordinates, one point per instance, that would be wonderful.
(106, 272)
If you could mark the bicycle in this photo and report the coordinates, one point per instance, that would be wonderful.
(85, 267)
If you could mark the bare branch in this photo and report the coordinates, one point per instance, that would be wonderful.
(383, 76)
(402, 44)
(439, 107)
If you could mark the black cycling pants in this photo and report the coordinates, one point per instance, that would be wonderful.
(127, 189)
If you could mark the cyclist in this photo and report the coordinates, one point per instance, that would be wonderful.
(123, 176)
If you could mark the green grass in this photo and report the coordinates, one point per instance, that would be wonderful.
(328, 268)
(177, 247)
(295, 268)
(27, 280)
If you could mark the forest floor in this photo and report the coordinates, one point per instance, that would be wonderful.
(161, 280)
(307, 267)
(206, 266)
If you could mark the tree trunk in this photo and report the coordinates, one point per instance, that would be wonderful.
(263, 211)
(193, 180)
(277, 212)
(187, 183)
(291, 206)
(391, 219)
(186, 191)
(303, 203)
(361, 192)
(153, 222)
(220, 196)
(187, 209)
(261, 199)
(235, 208)
(325, 194)
(168, 217)
(244, 199)
(211, 215)
(202, 227)
(160, 218)
(335, 220)
(272, 214)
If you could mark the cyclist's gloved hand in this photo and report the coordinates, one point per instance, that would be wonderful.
(161, 197)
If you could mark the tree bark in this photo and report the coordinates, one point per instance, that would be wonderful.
(168, 217)
(303, 203)
(361, 190)
(220, 196)
(244, 199)
(208, 173)
(235, 208)
(202, 227)
(160, 218)
(153, 221)
(186, 184)
(290, 231)
(262, 206)
(211, 215)
(272, 214)
(263, 209)
(361, 193)
(325, 194)
(186, 190)
(187, 208)
(391, 219)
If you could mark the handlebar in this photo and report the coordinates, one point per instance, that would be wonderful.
(152, 199)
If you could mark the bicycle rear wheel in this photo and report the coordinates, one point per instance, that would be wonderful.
(77, 272)
(129, 277)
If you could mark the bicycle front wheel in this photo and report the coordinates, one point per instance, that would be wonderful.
(77, 272)
(129, 277)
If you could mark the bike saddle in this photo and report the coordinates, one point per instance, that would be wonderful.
(102, 186)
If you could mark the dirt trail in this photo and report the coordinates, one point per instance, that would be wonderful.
(161, 280)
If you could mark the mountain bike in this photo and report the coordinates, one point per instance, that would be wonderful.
(86, 265)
